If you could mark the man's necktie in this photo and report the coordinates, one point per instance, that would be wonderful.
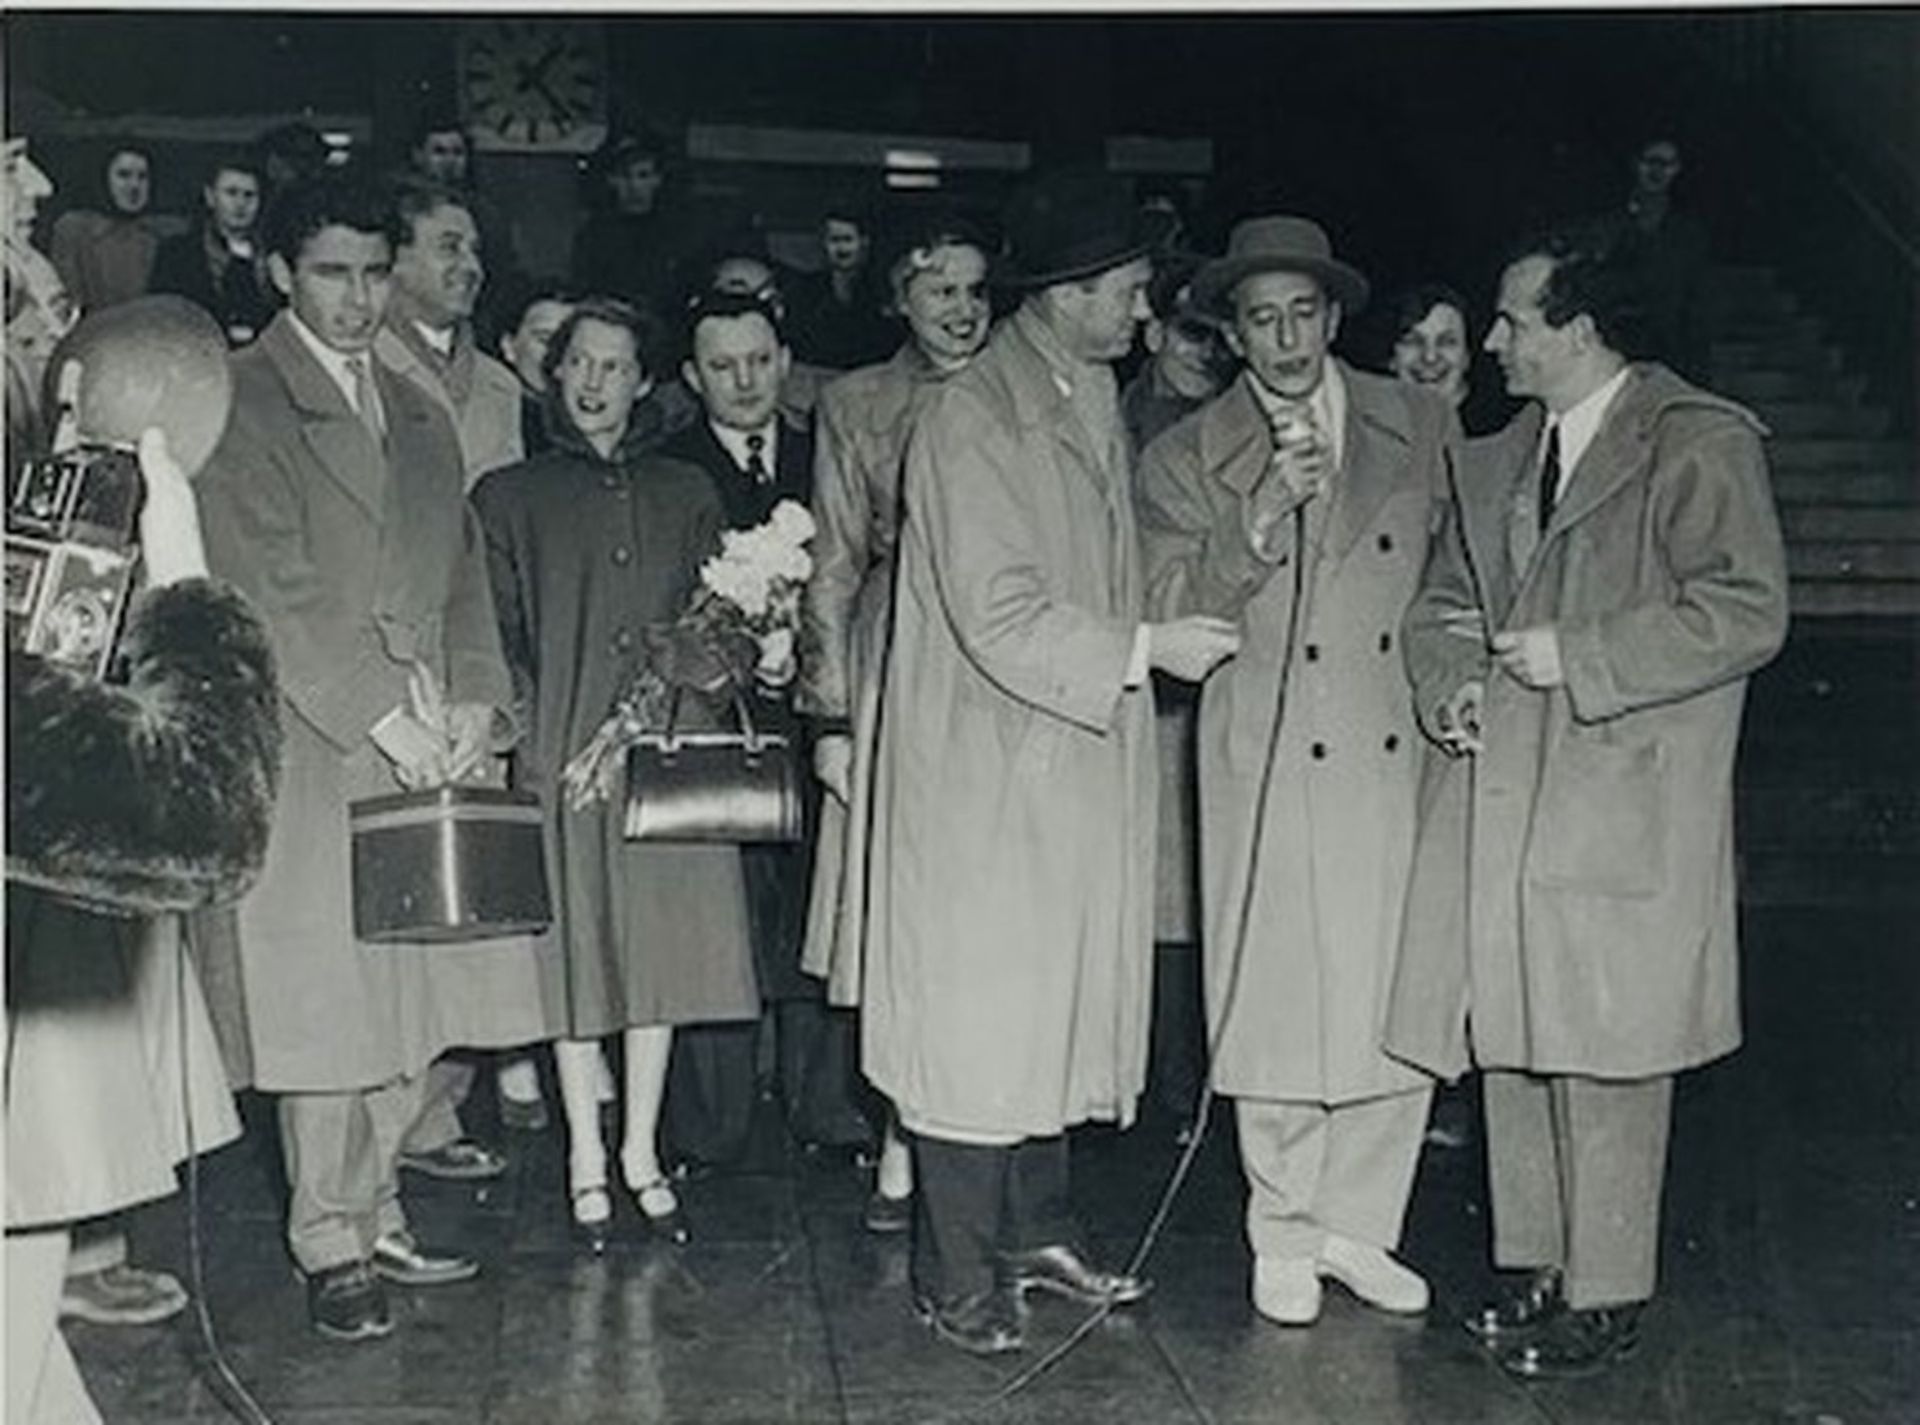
(1550, 476)
(366, 401)
(756, 459)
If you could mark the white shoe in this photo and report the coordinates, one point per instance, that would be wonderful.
(1372, 1274)
(1286, 1290)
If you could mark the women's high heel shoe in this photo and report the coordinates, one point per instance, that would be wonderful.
(670, 1223)
(590, 1228)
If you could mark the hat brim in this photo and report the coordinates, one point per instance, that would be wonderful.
(1213, 285)
(1148, 235)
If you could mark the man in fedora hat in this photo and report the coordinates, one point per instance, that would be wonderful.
(1297, 503)
(1007, 981)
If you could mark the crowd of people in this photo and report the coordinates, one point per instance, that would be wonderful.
(1425, 741)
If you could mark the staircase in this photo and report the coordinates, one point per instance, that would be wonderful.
(1829, 778)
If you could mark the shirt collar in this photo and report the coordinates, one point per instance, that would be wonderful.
(734, 442)
(440, 339)
(1580, 423)
(334, 363)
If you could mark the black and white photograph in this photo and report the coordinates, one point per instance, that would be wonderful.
(802, 716)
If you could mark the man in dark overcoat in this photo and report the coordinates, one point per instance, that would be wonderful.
(334, 500)
(1608, 576)
(756, 457)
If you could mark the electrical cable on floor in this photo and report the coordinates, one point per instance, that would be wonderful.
(227, 1386)
(1183, 1166)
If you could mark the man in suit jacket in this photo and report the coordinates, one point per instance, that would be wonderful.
(428, 333)
(1298, 502)
(1608, 575)
(427, 336)
(334, 501)
(756, 458)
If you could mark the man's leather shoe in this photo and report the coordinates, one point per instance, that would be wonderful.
(1064, 1272)
(348, 1303)
(523, 1115)
(985, 1324)
(461, 1161)
(1576, 1344)
(1372, 1274)
(122, 1295)
(401, 1259)
(887, 1215)
(1522, 1315)
(1286, 1290)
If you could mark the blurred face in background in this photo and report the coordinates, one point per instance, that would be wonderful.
(233, 201)
(736, 369)
(845, 244)
(439, 269)
(442, 157)
(1283, 328)
(525, 347)
(26, 186)
(339, 285)
(1433, 352)
(1187, 352)
(600, 380)
(635, 183)
(943, 300)
(1656, 166)
(129, 182)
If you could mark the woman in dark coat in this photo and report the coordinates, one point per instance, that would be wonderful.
(590, 545)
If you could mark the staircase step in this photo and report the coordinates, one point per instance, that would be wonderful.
(1729, 354)
(1851, 522)
(1759, 383)
(1882, 819)
(1836, 878)
(1878, 488)
(1778, 332)
(1810, 597)
(1825, 452)
(1724, 277)
(1831, 418)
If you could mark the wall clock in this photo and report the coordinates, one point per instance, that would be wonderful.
(531, 86)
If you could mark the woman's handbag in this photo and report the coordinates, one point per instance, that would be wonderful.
(448, 864)
(717, 786)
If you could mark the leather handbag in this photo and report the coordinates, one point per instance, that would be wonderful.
(739, 787)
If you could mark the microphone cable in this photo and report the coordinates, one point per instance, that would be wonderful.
(225, 1383)
(1203, 1109)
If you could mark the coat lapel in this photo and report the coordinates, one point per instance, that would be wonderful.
(1235, 440)
(1378, 437)
(333, 432)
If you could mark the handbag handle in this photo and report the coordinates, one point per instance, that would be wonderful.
(751, 736)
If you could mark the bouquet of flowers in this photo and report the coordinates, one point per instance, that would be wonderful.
(738, 628)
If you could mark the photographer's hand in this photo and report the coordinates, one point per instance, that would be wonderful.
(169, 521)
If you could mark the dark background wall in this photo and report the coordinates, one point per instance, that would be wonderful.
(1423, 141)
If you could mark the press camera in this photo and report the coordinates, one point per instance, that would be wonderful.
(71, 548)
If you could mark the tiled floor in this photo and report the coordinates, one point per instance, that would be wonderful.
(1791, 1291)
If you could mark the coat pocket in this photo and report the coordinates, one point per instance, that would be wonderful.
(1600, 825)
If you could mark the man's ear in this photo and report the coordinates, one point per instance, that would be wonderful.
(690, 374)
(1582, 332)
(1333, 321)
(1153, 335)
(784, 362)
(1231, 333)
(281, 274)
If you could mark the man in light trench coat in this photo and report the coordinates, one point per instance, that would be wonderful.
(1299, 502)
(334, 501)
(1608, 575)
(1006, 988)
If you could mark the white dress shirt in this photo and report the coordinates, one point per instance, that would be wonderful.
(734, 442)
(1578, 424)
(338, 365)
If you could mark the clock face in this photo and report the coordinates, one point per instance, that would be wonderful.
(530, 86)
